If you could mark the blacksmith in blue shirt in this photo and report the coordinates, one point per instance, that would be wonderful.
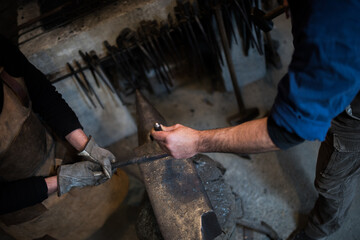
(318, 99)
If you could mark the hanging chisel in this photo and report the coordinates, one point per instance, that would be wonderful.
(96, 61)
(83, 87)
(91, 90)
(120, 59)
(92, 64)
(86, 60)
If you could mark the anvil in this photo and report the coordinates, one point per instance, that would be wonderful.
(177, 195)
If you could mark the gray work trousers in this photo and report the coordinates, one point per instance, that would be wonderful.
(337, 173)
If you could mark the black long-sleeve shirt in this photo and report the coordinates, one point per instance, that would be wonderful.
(50, 107)
(46, 101)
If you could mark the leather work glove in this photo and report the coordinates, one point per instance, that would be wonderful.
(80, 174)
(96, 154)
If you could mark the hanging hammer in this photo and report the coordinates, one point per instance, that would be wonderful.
(264, 20)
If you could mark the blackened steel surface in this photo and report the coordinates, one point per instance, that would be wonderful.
(226, 204)
(175, 190)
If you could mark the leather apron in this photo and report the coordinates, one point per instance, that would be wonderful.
(27, 149)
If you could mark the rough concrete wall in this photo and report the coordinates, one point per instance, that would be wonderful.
(247, 68)
(50, 51)
(105, 125)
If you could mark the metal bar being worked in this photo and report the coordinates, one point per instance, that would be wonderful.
(140, 160)
(178, 198)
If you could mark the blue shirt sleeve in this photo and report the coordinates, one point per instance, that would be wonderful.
(324, 74)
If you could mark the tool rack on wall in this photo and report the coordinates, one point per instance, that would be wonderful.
(194, 37)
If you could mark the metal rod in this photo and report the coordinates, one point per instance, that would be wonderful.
(91, 89)
(229, 61)
(140, 160)
(88, 63)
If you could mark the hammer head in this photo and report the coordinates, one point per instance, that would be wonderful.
(260, 20)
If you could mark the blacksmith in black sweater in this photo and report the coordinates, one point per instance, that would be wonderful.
(31, 171)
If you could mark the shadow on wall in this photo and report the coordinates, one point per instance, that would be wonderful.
(8, 20)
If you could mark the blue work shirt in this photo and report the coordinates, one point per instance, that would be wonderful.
(324, 74)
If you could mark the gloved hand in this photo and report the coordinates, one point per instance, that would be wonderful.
(96, 154)
(79, 174)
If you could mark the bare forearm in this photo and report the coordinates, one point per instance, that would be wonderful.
(77, 139)
(184, 142)
(51, 183)
(249, 137)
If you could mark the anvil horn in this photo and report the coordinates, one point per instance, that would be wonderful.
(178, 198)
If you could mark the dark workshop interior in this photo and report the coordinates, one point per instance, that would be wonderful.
(203, 64)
